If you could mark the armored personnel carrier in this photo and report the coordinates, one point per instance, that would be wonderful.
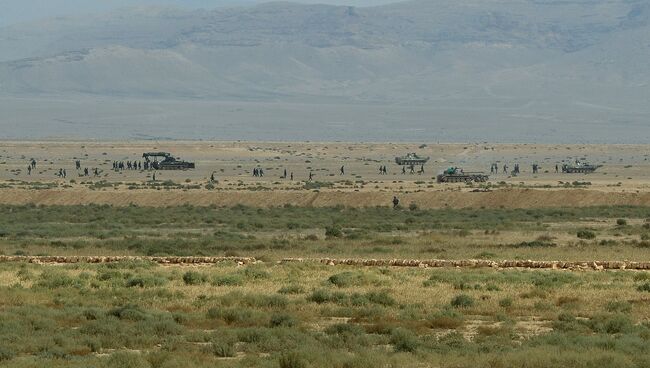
(579, 167)
(168, 161)
(457, 175)
(411, 159)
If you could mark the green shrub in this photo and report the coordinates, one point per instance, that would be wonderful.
(349, 278)
(291, 360)
(644, 287)
(255, 273)
(333, 232)
(447, 319)
(227, 280)
(462, 301)
(6, 353)
(291, 289)
(621, 222)
(505, 302)
(194, 278)
(129, 312)
(282, 320)
(223, 349)
(404, 340)
(126, 360)
(145, 281)
(586, 234)
(51, 279)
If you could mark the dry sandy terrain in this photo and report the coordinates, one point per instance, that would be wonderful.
(623, 179)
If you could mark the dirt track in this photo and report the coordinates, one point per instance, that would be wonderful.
(506, 198)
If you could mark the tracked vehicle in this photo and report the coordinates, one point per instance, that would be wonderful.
(168, 161)
(457, 175)
(411, 159)
(579, 167)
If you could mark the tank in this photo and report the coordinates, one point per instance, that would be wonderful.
(457, 175)
(581, 167)
(411, 159)
(168, 161)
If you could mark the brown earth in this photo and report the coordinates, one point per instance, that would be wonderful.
(502, 198)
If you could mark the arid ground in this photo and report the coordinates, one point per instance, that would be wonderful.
(255, 309)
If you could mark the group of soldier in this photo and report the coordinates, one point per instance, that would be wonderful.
(258, 172)
(412, 169)
(128, 165)
(494, 169)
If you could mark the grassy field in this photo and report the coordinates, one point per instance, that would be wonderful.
(593, 233)
(269, 314)
(310, 315)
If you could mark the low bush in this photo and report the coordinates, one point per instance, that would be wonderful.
(227, 280)
(462, 301)
(194, 278)
(586, 234)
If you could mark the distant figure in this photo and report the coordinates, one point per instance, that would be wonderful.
(412, 169)
(291, 176)
(395, 202)
(85, 171)
(285, 174)
(557, 168)
(505, 169)
(311, 176)
(403, 170)
(96, 171)
(381, 170)
(33, 163)
(261, 172)
(29, 170)
(212, 177)
(65, 174)
(78, 164)
(342, 170)
(154, 176)
(385, 171)
(421, 170)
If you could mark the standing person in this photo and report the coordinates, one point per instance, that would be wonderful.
(403, 170)
(311, 176)
(65, 174)
(381, 170)
(292, 176)
(285, 174)
(395, 202)
(342, 170)
(557, 168)
(212, 177)
(33, 164)
(29, 170)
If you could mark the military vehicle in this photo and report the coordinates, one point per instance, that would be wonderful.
(457, 175)
(168, 161)
(411, 159)
(579, 167)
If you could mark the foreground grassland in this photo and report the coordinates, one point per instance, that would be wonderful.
(568, 234)
(136, 314)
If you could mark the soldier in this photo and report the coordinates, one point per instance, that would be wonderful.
(311, 176)
(85, 171)
(557, 168)
(154, 176)
(381, 170)
(261, 172)
(65, 174)
(212, 177)
(78, 164)
(403, 170)
(292, 176)
(395, 202)
(342, 170)
(422, 169)
(29, 170)
(385, 170)
(33, 164)
(412, 169)
(285, 174)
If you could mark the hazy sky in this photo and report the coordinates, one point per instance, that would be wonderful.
(14, 11)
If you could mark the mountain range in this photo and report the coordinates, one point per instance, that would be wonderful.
(529, 62)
